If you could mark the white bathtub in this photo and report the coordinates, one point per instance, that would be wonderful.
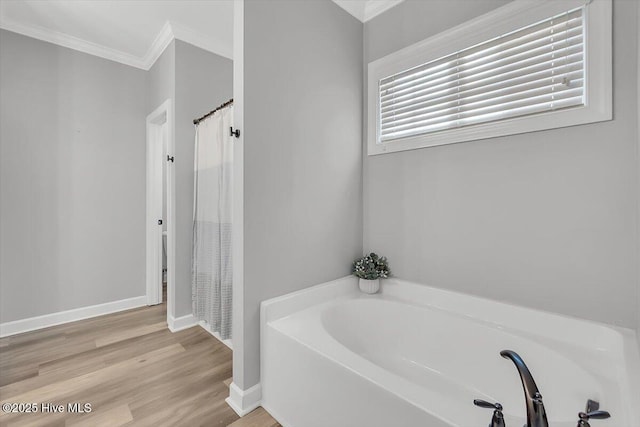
(417, 356)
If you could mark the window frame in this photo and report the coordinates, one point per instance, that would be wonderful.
(518, 14)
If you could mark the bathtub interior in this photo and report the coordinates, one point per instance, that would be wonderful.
(460, 358)
(440, 350)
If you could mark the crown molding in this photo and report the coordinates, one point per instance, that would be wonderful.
(71, 42)
(160, 43)
(367, 9)
(168, 33)
(375, 8)
(353, 8)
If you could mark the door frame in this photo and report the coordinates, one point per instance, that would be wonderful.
(162, 115)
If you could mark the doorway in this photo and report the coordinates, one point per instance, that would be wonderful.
(160, 211)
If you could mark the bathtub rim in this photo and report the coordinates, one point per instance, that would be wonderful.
(281, 306)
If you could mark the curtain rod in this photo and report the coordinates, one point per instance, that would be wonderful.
(226, 104)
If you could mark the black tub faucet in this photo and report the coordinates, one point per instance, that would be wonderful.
(536, 415)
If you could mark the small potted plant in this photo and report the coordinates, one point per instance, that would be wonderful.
(370, 269)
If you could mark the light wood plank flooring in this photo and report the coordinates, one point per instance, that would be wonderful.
(129, 367)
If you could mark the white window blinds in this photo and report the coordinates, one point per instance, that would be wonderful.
(532, 70)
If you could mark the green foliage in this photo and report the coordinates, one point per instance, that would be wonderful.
(371, 267)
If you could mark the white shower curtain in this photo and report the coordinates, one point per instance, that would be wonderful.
(211, 281)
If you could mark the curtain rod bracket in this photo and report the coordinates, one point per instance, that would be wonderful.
(235, 133)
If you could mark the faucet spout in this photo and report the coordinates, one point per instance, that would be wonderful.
(536, 415)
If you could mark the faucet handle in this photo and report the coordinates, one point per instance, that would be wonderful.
(497, 420)
(592, 405)
(484, 404)
(596, 415)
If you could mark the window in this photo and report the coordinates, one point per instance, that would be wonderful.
(537, 66)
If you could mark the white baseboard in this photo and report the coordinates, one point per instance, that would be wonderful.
(244, 401)
(216, 335)
(274, 414)
(47, 320)
(179, 323)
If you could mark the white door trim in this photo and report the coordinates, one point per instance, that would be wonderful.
(238, 204)
(162, 115)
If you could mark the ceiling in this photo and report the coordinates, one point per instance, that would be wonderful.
(127, 31)
(136, 32)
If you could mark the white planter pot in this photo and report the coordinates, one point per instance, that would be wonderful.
(369, 286)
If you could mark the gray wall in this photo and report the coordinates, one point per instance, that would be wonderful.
(72, 177)
(161, 79)
(545, 219)
(203, 81)
(72, 189)
(302, 151)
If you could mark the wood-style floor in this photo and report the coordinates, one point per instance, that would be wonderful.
(128, 366)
